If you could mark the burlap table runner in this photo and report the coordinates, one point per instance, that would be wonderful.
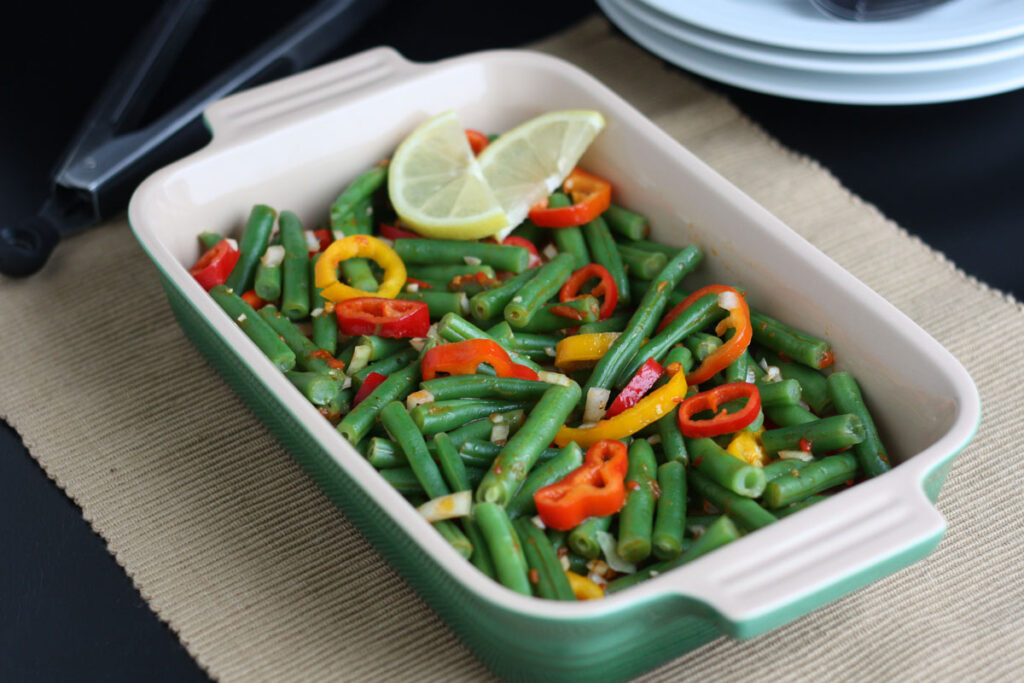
(261, 577)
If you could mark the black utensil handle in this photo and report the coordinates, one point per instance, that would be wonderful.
(24, 248)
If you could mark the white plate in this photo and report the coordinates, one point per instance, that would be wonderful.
(911, 88)
(797, 24)
(809, 60)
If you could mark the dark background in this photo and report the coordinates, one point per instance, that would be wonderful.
(949, 173)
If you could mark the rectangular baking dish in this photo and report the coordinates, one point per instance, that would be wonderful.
(295, 143)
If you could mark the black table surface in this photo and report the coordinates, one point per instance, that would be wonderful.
(949, 173)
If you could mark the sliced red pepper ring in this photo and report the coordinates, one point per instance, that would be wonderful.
(723, 422)
(591, 196)
(594, 489)
(643, 381)
(463, 358)
(325, 237)
(394, 233)
(419, 283)
(606, 288)
(253, 299)
(214, 266)
(331, 361)
(477, 140)
(394, 318)
(724, 355)
(372, 381)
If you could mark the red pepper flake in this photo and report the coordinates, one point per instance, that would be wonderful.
(849, 482)
(805, 445)
(827, 359)
(534, 576)
(497, 469)
(698, 461)
(633, 485)
(331, 361)
(794, 473)
(655, 489)
(783, 357)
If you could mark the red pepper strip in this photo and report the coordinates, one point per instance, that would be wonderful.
(477, 140)
(392, 233)
(805, 445)
(480, 277)
(253, 299)
(643, 381)
(372, 381)
(215, 265)
(463, 358)
(739, 320)
(595, 489)
(394, 318)
(331, 361)
(591, 196)
(325, 237)
(606, 287)
(420, 283)
(723, 422)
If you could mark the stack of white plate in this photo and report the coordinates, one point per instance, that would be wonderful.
(954, 51)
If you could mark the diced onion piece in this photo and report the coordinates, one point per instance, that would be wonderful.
(432, 333)
(728, 300)
(347, 382)
(338, 234)
(611, 553)
(472, 260)
(312, 241)
(242, 318)
(447, 507)
(418, 343)
(599, 567)
(360, 358)
(418, 398)
(550, 252)
(597, 401)
(499, 432)
(387, 241)
(464, 303)
(554, 378)
(517, 299)
(598, 580)
(550, 351)
(538, 522)
(412, 287)
(316, 312)
(654, 439)
(803, 404)
(564, 561)
(796, 455)
(751, 376)
(233, 242)
(496, 418)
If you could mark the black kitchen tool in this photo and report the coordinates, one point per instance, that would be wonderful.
(107, 159)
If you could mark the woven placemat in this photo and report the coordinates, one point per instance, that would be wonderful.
(235, 548)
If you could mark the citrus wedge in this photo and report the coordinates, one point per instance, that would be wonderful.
(436, 185)
(529, 162)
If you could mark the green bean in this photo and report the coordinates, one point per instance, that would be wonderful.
(358, 422)
(818, 476)
(339, 404)
(255, 327)
(455, 328)
(781, 467)
(702, 345)
(641, 264)
(725, 469)
(514, 462)
(544, 285)
(491, 303)
(720, 533)
(438, 302)
(739, 369)
(797, 507)
(643, 322)
(679, 354)
(318, 389)
(446, 273)
(385, 454)
(847, 398)
(556, 469)
(357, 271)
(569, 240)
(576, 563)
(451, 464)
(604, 252)
(697, 316)
(404, 432)
(670, 516)
(295, 268)
(533, 344)
(698, 524)
(254, 242)
(453, 534)
(382, 347)
(744, 511)
(546, 571)
(583, 539)
(636, 519)
(784, 393)
(489, 450)
(616, 323)
(549, 318)
(404, 480)
(504, 545)
(426, 252)
(801, 347)
(630, 225)
(343, 210)
(267, 280)
(481, 557)
(325, 323)
(647, 245)
(514, 419)
(814, 390)
(789, 416)
(481, 386)
(826, 434)
(305, 350)
(443, 416)
(385, 366)
(672, 443)
(209, 240)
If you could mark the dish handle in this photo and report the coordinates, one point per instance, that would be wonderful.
(816, 556)
(253, 112)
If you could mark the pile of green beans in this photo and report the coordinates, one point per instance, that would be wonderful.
(494, 435)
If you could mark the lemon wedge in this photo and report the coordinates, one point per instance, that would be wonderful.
(437, 187)
(529, 162)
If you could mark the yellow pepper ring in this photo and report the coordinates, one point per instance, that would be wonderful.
(359, 246)
(651, 408)
(583, 350)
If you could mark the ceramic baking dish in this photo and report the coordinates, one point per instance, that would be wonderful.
(295, 143)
